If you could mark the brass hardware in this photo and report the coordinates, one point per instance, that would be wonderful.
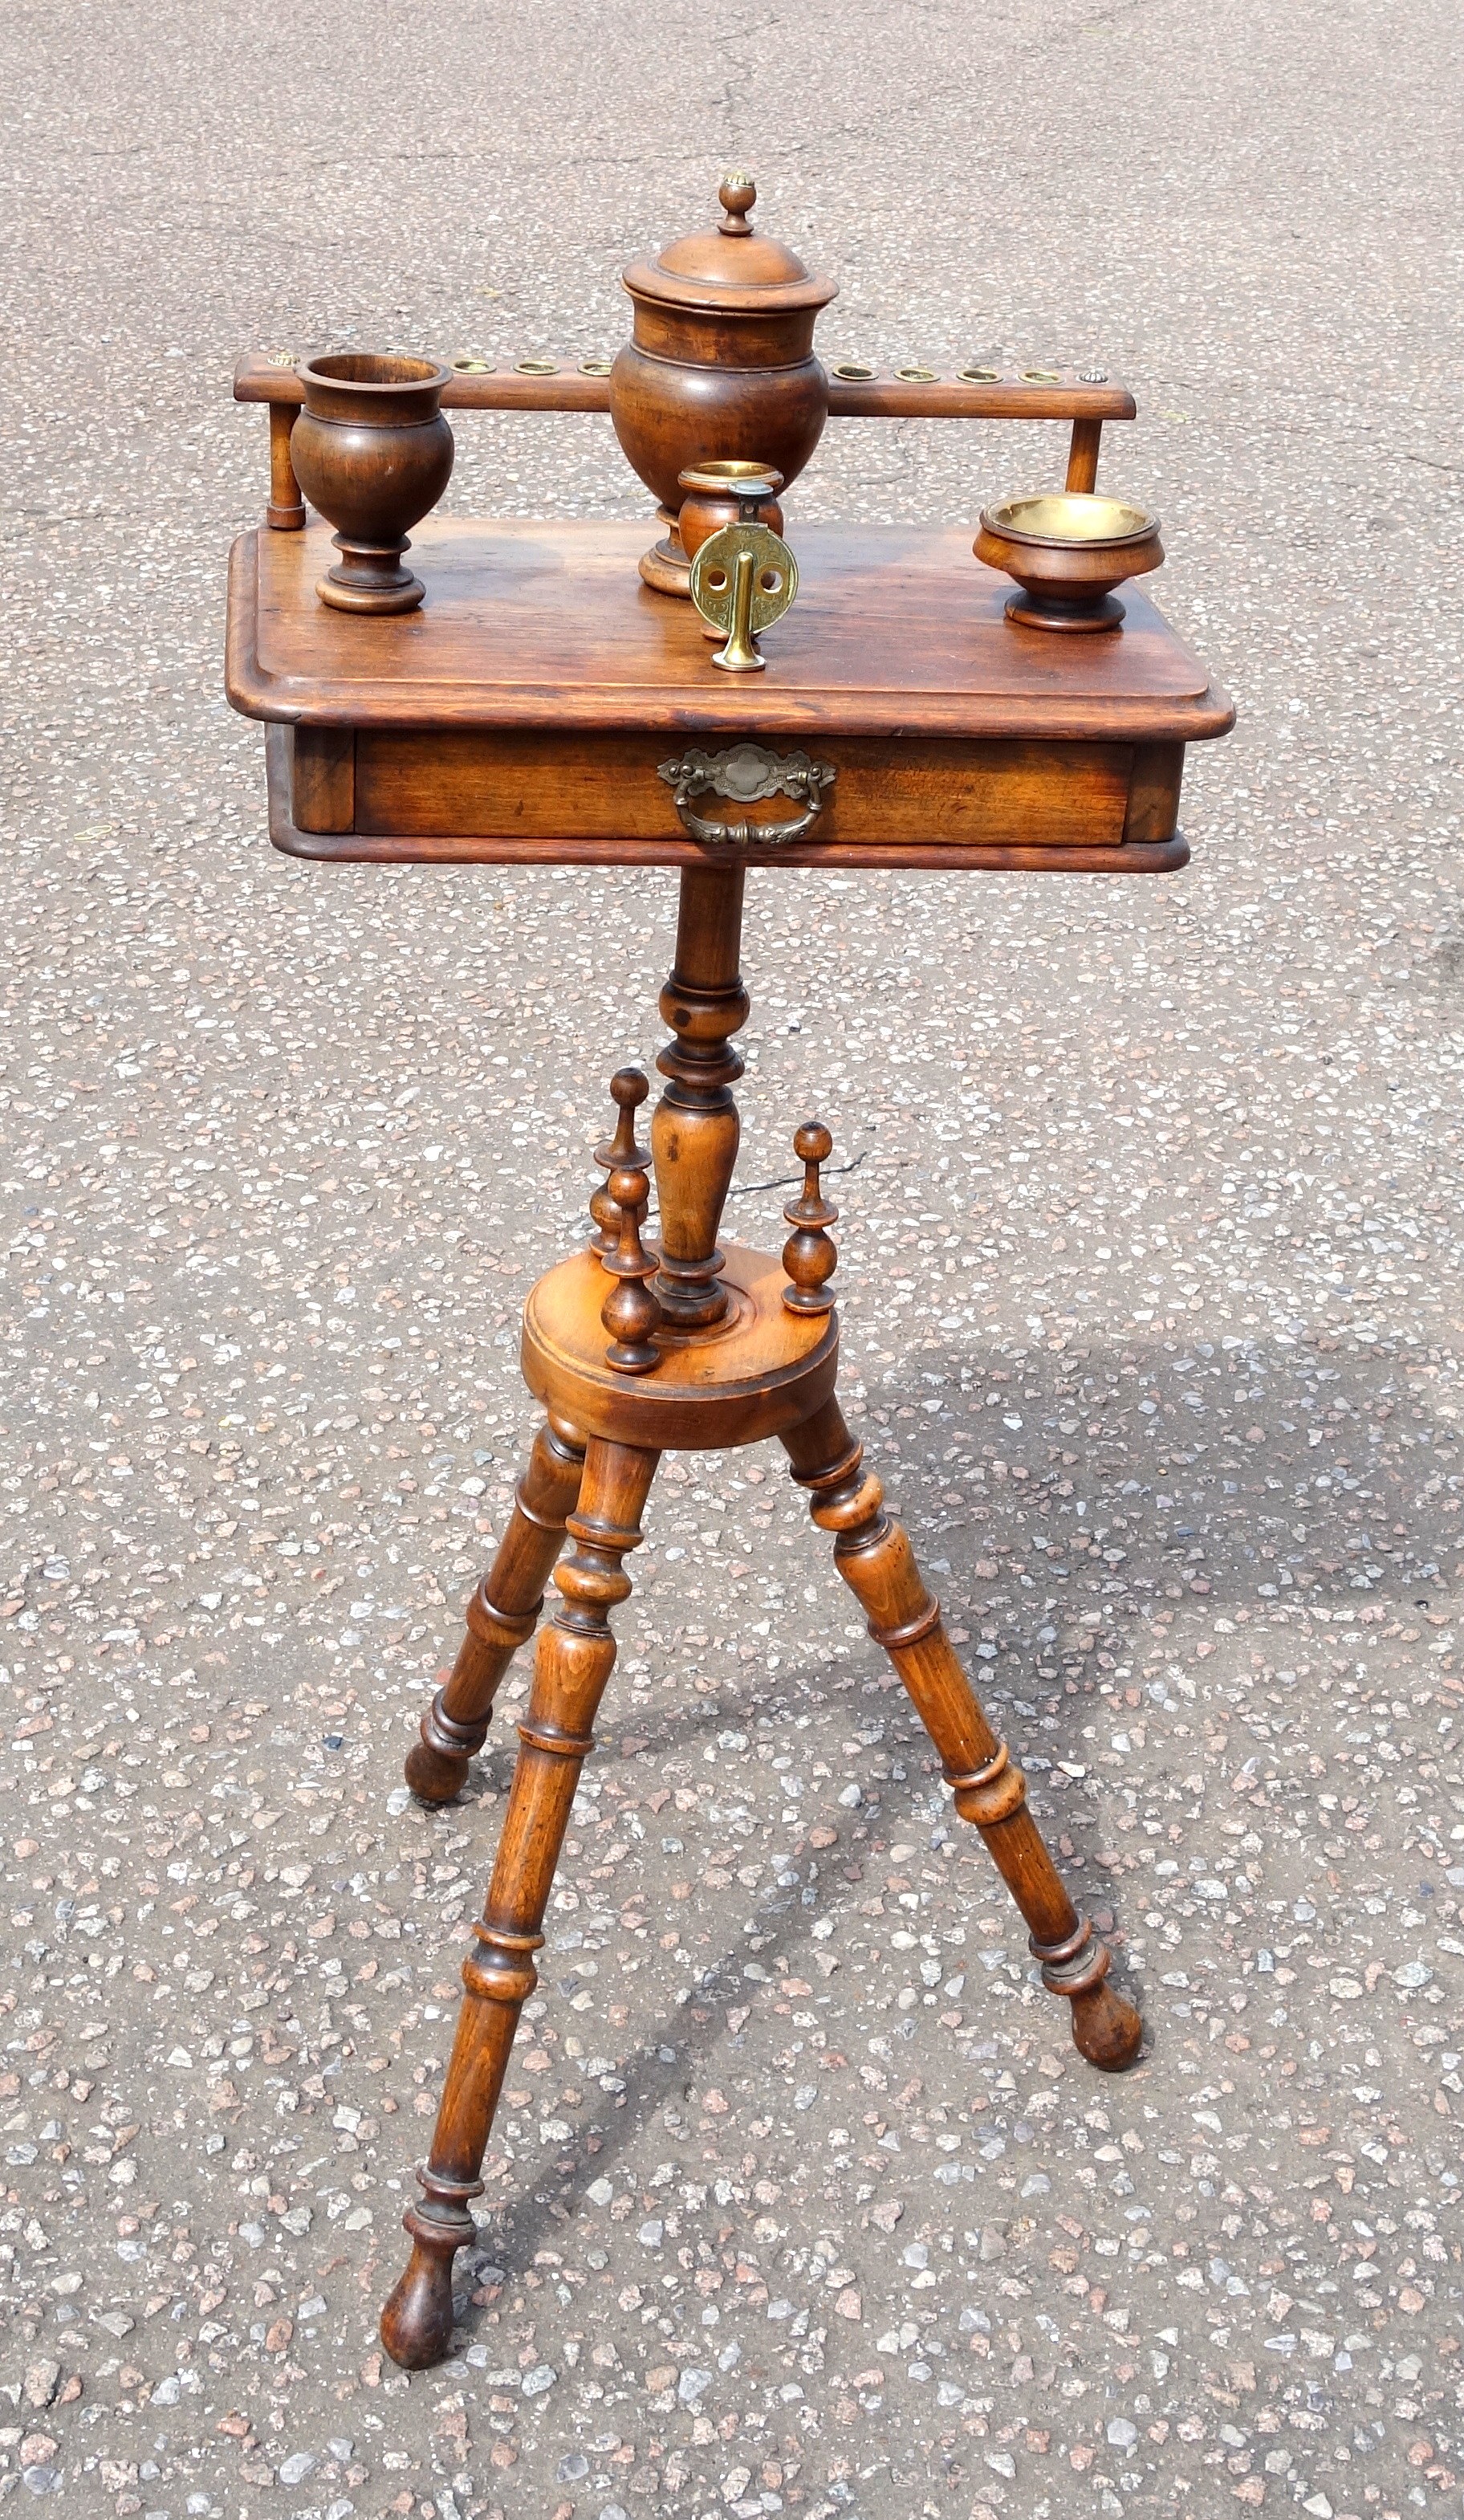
(1070, 516)
(743, 579)
(1041, 376)
(473, 367)
(916, 375)
(283, 359)
(1069, 551)
(733, 477)
(737, 194)
(746, 774)
(740, 654)
(536, 368)
(980, 375)
(849, 372)
(596, 367)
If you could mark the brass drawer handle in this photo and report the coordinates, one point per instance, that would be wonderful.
(744, 774)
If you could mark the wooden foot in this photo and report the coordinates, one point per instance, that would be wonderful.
(502, 1615)
(576, 1653)
(873, 1555)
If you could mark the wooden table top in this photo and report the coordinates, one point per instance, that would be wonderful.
(897, 631)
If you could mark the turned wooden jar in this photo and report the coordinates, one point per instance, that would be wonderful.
(372, 452)
(720, 364)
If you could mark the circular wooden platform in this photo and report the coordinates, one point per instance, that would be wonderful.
(757, 1372)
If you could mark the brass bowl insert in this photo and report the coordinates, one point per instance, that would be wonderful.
(852, 372)
(733, 475)
(1068, 549)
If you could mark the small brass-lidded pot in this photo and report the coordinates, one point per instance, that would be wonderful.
(719, 493)
(721, 364)
(1068, 549)
(728, 491)
(372, 452)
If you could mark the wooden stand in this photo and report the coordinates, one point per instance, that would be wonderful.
(744, 1352)
(505, 724)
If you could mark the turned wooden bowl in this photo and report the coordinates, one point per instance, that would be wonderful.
(1068, 549)
(372, 452)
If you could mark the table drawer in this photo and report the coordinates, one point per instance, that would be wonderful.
(495, 796)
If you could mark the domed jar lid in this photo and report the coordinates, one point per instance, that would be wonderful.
(729, 269)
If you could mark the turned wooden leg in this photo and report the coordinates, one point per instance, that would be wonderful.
(576, 1652)
(502, 1615)
(873, 1556)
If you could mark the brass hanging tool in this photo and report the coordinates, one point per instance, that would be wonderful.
(744, 578)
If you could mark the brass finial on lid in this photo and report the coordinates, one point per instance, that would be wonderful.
(737, 193)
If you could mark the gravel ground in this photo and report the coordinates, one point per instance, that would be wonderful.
(800, 2200)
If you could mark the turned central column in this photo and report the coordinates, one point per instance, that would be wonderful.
(694, 1135)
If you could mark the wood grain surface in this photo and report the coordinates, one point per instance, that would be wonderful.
(897, 630)
(1081, 817)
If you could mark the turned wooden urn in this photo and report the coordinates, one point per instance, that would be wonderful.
(373, 453)
(720, 364)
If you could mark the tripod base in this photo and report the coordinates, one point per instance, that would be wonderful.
(761, 1370)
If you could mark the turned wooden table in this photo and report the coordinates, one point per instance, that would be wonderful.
(544, 707)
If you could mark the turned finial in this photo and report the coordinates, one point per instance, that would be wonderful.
(620, 1154)
(737, 193)
(631, 1312)
(809, 1255)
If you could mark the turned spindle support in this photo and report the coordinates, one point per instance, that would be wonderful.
(1083, 455)
(285, 510)
(809, 1254)
(630, 1314)
(695, 1130)
(619, 1153)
